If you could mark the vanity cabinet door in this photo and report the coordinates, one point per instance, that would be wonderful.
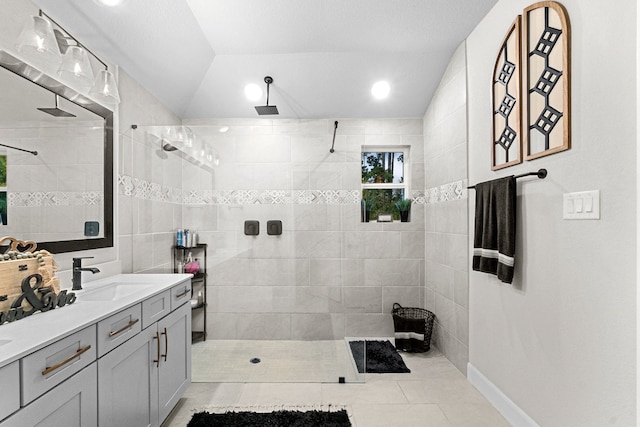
(71, 404)
(10, 386)
(174, 375)
(128, 383)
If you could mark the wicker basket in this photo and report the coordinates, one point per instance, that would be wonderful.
(413, 328)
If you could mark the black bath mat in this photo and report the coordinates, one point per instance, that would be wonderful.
(382, 357)
(272, 419)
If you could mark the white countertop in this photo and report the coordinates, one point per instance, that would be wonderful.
(22, 337)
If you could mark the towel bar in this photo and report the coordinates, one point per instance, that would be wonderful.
(541, 173)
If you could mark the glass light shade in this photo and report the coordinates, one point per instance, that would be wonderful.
(75, 67)
(105, 88)
(38, 44)
(190, 138)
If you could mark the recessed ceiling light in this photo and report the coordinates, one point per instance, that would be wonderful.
(253, 91)
(109, 2)
(381, 89)
(223, 129)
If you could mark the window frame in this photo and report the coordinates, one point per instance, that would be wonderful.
(405, 185)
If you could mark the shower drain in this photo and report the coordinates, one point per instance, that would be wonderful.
(255, 360)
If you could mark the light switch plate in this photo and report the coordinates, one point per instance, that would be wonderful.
(581, 205)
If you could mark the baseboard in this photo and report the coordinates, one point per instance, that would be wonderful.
(512, 412)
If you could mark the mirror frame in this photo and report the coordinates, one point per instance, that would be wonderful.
(32, 74)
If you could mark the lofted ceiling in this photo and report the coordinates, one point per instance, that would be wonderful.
(196, 56)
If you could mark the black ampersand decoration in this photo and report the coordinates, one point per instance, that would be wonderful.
(29, 293)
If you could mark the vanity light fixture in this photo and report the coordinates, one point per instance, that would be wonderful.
(185, 141)
(43, 44)
(75, 65)
(381, 89)
(37, 42)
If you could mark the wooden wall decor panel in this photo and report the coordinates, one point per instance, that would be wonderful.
(547, 79)
(506, 93)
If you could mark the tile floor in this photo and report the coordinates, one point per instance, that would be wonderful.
(280, 361)
(434, 394)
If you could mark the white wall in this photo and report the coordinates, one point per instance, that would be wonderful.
(446, 261)
(561, 342)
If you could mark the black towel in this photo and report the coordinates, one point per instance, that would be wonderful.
(494, 241)
(409, 334)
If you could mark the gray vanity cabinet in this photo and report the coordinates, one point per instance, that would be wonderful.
(71, 404)
(128, 382)
(140, 382)
(174, 376)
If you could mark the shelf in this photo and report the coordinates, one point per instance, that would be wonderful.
(198, 246)
(198, 285)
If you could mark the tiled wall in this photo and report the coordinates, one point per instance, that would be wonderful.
(328, 275)
(446, 259)
(146, 215)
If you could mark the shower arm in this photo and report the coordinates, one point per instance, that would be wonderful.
(267, 90)
(334, 136)
(35, 153)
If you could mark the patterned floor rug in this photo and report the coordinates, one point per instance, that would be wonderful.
(272, 419)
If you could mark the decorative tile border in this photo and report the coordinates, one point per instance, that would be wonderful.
(55, 198)
(141, 189)
(445, 193)
(138, 188)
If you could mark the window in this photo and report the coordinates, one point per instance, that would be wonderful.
(384, 178)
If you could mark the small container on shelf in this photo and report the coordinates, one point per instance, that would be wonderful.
(200, 298)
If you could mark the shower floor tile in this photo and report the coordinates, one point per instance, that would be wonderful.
(280, 361)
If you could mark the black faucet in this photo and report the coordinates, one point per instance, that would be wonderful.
(77, 272)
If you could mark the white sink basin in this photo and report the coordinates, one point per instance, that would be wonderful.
(113, 291)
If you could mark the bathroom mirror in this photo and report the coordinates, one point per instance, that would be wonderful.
(61, 198)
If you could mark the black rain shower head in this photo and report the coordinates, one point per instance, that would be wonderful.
(56, 111)
(265, 110)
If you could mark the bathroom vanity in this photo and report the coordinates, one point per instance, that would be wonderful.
(119, 355)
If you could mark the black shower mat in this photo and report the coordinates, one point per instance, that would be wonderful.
(382, 357)
(272, 419)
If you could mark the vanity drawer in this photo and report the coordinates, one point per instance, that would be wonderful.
(10, 386)
(49, 366)
(155, 308)
(116, 329)
(180, 294)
